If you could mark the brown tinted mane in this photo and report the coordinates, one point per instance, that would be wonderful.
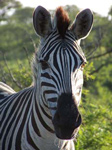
(62, 21)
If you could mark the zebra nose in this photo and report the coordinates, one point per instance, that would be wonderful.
(72, 121)
(66, 127)
(67, 117)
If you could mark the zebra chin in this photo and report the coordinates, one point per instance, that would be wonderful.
(67, 118)
(65, 133)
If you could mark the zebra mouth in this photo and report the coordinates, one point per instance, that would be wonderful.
(65, 133)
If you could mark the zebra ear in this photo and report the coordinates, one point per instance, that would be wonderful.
(83, 24)
(42, 21)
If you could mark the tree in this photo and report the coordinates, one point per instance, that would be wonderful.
(110, 12)
(6, 6)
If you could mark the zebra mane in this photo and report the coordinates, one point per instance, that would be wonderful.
(63, 21)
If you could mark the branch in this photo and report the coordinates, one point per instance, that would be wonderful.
(27, 55)
(97, 56)
(91, 52)
(100, 67)
(10, 73)
(2, 74)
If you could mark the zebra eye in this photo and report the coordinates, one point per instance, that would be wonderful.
(44, 64)
(83, 65)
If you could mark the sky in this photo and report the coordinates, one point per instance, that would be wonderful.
(99, 6)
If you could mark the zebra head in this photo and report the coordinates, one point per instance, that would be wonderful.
(61, 66)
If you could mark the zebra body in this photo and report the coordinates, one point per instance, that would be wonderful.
(45, 116)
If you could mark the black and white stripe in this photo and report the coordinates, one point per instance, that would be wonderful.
(28, 117)
(25, 119)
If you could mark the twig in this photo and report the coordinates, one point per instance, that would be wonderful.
(27, 55)
(91, 52)
(2, 74)
(100, 67)
(97, 56)
(10, 73)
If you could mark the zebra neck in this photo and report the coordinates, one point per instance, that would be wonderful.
(42, 114)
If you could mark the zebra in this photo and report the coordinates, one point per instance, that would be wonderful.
(45, 116)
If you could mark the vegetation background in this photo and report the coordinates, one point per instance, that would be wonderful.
(18, 42)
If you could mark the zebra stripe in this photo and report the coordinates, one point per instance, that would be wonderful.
(45, 116)
(22, 117)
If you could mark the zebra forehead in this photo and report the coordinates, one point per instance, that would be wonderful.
(63, 21)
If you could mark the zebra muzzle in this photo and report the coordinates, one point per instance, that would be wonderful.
(67, 118)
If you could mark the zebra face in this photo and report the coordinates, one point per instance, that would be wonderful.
(61, 60)
(61, 82)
